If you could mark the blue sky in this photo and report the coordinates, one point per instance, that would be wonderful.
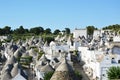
(58, 14)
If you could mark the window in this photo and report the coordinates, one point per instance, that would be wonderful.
(118, 61)
(72, 43)
(113, 60)
(59, 51)
(103, 74)
(40, 79)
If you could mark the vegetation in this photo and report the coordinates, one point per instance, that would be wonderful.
(90, 30)
(40, 30)
(6, 30)
(48, 31)
(56, 32)
(78, 75)
(37, 30)
(115, 27)
(76, 52)
(20, 30)
(47, 35)
(48, 75)
(48, 38)
(26, 60)
(67, 30)
(22, 33)
(40, 54)
(113, 73)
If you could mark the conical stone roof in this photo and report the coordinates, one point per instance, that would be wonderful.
(32, 52)
(6, 76)
(64, 72)
(12, 60)
(64, 66)
(17, 53)
(43, 59)
(47, 68)
(46, 44)
(57, 38)
(7, 68)
(25, 55)
(15, 69)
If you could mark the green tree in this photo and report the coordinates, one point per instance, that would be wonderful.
(115, 27)
(48, 38)
(113, 73)
(37, 30)
(48, 31)
(26, 30)
(56, 32)
(1, 31)
(90, 30)
(41, 30)
(7, 30)
(19, 30)
(67, 30)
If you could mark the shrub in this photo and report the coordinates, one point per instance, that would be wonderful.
(78, 75)
(113, 73)
(76, 52)
(40, 54)
(48, 75)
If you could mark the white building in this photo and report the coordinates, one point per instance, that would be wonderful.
(98, 61)
(2, 38)
(96, 33)
(116, 39)
(80, 32)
